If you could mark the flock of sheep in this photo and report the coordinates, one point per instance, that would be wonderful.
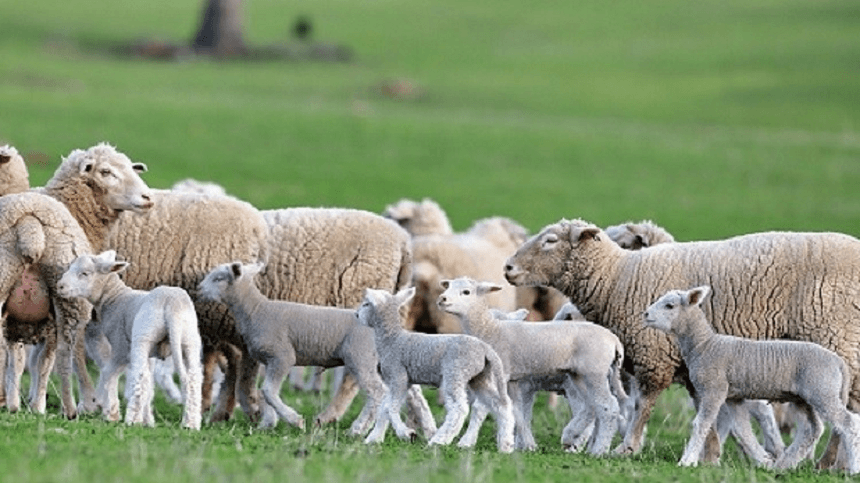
(97, 265)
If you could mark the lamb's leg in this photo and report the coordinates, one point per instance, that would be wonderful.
(276, 371)
(106, 388)
(44, 364)
(12, 382)
(453, 389)
(340, 401)
(377, 434)
(605, 408)
(803, 440)
(735, 417)
(762, 411)
(398, 386)
(579, 430)
(191, 392)
(138, 373)
(87, 403)
(363, 368)
(476, 420)
(499, 403)
(420, 410)
(703, 423)
(522, 396)
(846, 430)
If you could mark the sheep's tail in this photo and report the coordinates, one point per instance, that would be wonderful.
(31, 238)
(615, 384)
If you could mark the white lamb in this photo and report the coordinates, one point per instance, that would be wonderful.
(580, 358)
(451, 362)
(729, 369)
(135, 322)
(283, 334)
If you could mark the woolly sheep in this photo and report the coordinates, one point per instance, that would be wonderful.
(451, 362)
(282, 334)
(610, 285)
(477, 253)
(135, 322)
(14, 177)
(726, 369)
(580, 358)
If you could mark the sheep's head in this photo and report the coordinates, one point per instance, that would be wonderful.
(463, 294)
(419, 219)
(226, 276)
(565, 250)
(635, 236)
(87, 275)
(13, 172)
(381, 309)
(671, 310)
(114, 180)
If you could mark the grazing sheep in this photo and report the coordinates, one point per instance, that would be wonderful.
(810, 280)
(282, 334)
(580, 358)
(451, 362)
(727, 369)
(135, 322)
(478, 253)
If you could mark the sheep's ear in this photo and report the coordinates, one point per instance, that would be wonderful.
(5, 158)
(236, 269)
(139, 167)
(487, 287)
(578, 235)
(696, 295)
(87, 165)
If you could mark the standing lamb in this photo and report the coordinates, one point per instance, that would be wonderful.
(811, 282)
(451, 362)
(727, 369)
(282, 334)
(135, 322)
(579, 357)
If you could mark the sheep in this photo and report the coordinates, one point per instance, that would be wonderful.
(808, 274)
(451, 362)
(14, 177)
(440, 253)
(580, 358)
(644, 234)
(281, 334)
(726, 369)
(135, 322)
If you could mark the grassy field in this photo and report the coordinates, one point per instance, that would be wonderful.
(713, 118)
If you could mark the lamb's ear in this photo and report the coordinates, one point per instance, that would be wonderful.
(445, 284)
(696, 295)
(115, 267)
(139, 167)
(236, 269)
(254, 268)
(404, 296)
(487, 287)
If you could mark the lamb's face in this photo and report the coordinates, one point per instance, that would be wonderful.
(216, 283)
(670, 311)
(116, 178)
(380, 309)
(462, 294)
(87, 275)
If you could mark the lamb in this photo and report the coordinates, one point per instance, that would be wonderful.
(809, 278)
(580, 358)
(451, 362)
(14, 177)
(93, 186)
(727, 369)
(135, 322)
(282, 334)
(635, 236)
(478, 253)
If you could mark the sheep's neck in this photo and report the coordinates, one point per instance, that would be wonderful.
(111, 292)
(590, 290)
(693, 334)
(244, 299)
(95, 219)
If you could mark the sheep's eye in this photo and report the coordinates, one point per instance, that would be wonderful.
(670, 306)
(105, 172)
(467, 292)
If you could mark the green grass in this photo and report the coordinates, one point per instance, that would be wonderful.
(713, 118)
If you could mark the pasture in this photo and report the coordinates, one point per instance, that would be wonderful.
(712, 118)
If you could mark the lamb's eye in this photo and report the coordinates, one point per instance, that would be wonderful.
(84, 274)
(670, 306)
(467, 292)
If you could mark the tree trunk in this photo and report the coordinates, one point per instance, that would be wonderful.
(220, 32)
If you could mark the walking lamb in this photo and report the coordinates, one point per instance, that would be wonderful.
(728, 369)
(135, 322)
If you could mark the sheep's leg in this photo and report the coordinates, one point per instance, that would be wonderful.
(846, 431)
(523, 399)
(210, 363)
(276, 371)
(297, 378)
(191, 391)
(85, 382)
(579, 429)
(12, 382)
(398, 386)
(246, 386)
(736, 416)
(706, 415)
(377, 434)
(340, 401)
(632, 442)
(106, 388)
(762, 411)
(803, 440)
(476, 420)
(501, 406)
(44, 364)
(227, 396)
(363, 368)
(419, 410)
(453, 389)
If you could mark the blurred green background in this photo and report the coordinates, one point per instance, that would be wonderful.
(712, 118)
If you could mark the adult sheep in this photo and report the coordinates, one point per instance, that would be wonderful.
(13, 172)
(810, 279)
(93, 186)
